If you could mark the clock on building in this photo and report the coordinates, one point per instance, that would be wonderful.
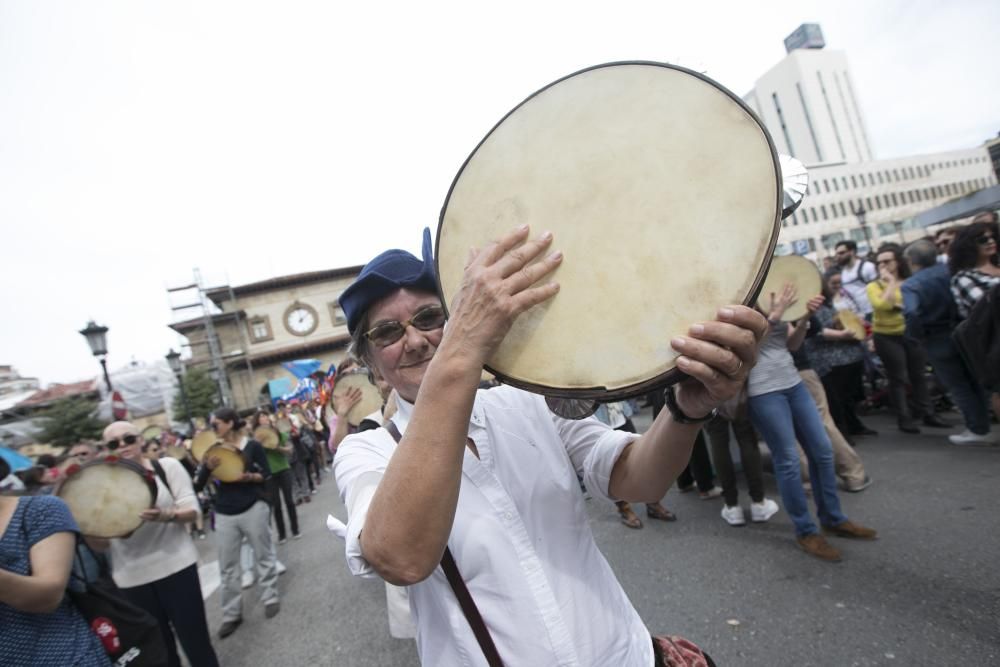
(301, 319)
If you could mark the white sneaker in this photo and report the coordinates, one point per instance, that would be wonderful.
(248, 579)
(734, 515)
(280, 567)
(762, 511)
(967, 437)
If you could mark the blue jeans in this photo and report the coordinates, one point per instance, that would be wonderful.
(781, 417)
(968, 395)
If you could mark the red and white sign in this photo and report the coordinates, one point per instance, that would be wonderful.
(118, 408)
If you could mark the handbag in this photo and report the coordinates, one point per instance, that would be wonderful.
(130, 635)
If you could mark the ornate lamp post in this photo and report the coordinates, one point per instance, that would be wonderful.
(174, 359)
(97, 339)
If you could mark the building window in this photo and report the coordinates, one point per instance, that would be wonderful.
(337, 314)
(868, 200)
(854, 181)
(826, 185)
(843, 179)
(843, 211)
(895, 202)
(812, 209)
(822, 209)
(879, 174)
(260, 329)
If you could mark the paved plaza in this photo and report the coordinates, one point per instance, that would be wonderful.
(926, 593)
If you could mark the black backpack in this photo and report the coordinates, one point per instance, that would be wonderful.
(978, 339)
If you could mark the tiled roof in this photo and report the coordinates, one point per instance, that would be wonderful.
(58, 391)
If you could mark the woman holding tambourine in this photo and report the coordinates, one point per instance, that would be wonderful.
(241, 511)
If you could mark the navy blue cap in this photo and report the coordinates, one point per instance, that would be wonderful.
(390, 271)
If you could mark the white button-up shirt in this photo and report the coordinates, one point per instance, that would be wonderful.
(520, 538)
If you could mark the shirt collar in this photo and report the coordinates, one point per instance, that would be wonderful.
(404, 410)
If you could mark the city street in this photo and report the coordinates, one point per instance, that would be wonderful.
(926, 593)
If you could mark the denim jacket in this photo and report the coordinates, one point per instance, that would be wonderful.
(928, 305)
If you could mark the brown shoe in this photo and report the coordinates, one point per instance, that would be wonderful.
(850, 529)
(659, 512)
(629, 518)
(816, 545)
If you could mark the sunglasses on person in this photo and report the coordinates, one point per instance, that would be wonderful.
(428, 318)
(124, 442)
(985, 239)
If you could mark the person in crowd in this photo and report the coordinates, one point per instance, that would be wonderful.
(241, 512)
(280, 482)
(81, 453)
(156, 567)
(837, 356)
(972, 260)
(781, 409)
(761, 507)
(903, 357)
(931, 314)
(492, 474)
(855, 274)
(618, 416)
(151, 449)
(846, 461)
(39, 624)
(942, 241)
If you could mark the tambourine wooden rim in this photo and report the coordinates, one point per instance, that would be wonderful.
(671, 375)
(90, 523)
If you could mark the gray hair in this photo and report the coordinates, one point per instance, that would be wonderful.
(359, 342)
(921, 254)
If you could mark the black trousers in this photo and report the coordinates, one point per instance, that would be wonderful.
(281, 485)
(746, 438)
(841, 393)
(176, 601)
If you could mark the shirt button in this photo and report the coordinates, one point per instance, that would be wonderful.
(508, 516)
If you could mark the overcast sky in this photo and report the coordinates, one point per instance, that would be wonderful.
(251, 139)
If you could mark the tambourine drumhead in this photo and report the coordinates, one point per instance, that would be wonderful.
(664, 193)
(106, 496)
(230, 466)
(178, 452)
(267, 436)
(201, 443)
(152, 432)
(850, 321)
(798, 271)
(283, 424)
(371, 398)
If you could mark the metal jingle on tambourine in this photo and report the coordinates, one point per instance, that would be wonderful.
(794, 182)
(572, 408)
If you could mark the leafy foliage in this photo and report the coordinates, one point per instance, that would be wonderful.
(202, 394)
(70, 420)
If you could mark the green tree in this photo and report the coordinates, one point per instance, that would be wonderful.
(70, 420)
(202, 394)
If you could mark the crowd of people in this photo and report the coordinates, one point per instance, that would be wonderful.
(442, 487)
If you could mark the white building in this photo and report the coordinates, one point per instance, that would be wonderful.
(807, 102)
(809, 105)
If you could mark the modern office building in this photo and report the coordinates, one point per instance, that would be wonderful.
(809, 104)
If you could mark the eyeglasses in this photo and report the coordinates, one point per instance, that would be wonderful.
(985, 239)
(125, 441)
(385, 334)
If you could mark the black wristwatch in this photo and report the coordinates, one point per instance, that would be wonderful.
(670, 400)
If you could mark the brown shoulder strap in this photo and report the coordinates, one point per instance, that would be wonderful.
(465, 601)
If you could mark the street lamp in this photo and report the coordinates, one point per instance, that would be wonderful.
(97, 339)
(860, 213)
(174, 359)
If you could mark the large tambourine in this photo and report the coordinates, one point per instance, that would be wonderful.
(663, 191)
(849, 321)
(106, 496)
(230, 467)
(798, 271)
(371, 398)
(267, 436)
(284, 425)
(201, 444)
